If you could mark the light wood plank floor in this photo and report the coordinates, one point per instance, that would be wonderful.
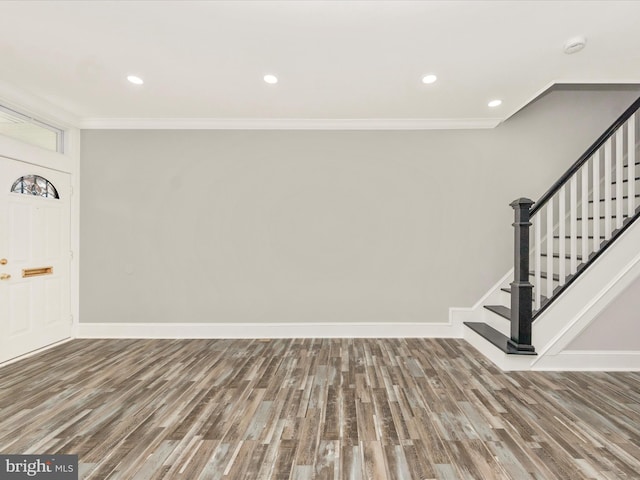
(315, 408)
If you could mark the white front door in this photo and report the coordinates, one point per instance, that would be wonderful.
(34, 261)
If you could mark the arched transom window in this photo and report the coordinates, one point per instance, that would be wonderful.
(35, 185)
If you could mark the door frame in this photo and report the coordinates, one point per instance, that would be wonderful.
(68, 162)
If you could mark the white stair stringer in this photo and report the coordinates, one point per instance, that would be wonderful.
(569, 315)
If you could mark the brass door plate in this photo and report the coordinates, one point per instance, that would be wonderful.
(36, 272)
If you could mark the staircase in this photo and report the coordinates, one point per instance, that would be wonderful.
(560, 238)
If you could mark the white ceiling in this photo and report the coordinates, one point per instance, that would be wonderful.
(350, 63)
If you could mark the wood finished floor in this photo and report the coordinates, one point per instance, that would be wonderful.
(315, 408)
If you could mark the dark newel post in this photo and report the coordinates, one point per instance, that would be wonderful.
(521, 289)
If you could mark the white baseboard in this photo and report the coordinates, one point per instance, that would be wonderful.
(566, 361)
(34, 352)
(269, 330)
(569, 360)
(590, 361)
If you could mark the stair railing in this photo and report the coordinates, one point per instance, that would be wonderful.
(558, 236)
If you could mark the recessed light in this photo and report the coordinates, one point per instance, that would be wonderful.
(135, 80)
(271, 79)
(495, 103)
(431, 78)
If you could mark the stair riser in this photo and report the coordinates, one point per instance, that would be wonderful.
(556, 264)
(579, 243)
(496, 321)
(567, 246)
(505, 298)
(625, 187)
(636, 168)
(543, 288)
(592, 223)
(613, 206)
(590, 207)
(543, 296)
(543, 282)
(625, 184)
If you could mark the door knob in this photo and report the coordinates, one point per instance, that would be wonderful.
(3, 261)
(4, 276)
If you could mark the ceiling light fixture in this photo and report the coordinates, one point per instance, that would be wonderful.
(495, 103)
(135, 80)
(574, 45)
(430, 78)
(270, 79)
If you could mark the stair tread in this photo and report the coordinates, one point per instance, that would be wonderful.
(501, 310)
(543, 299)
(625, 197)
(602, 217)
(578, 236)
(557, 255)
(495, 337)
(626, 180)
(556, 277)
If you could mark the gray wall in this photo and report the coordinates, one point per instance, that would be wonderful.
(617, 326)
(315, 226)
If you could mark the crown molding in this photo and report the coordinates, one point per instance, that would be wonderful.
(571, 82)
(287, 123)
(44, 110)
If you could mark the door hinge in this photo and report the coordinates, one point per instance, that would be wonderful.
(71, 190)
(70, 254)
(71, 319)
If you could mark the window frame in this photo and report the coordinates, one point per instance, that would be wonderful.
(59, 133)
(50, 187)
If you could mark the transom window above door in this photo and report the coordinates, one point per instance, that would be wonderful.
(35, 185)
(30, 130)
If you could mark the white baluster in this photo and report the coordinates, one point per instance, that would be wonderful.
(607, 188)
(550, 247)
(584, 251)
(573, 209)
(595, 198)
(537, 285)
(562, 251)
(619, 177)
(631, 166)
